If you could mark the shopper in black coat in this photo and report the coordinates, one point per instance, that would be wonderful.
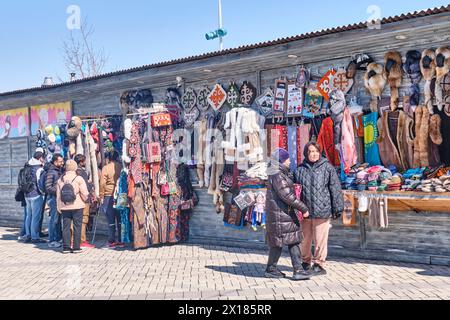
(283, 226)
(322, 194)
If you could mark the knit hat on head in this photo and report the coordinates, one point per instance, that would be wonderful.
(281, 155)
(71, 165)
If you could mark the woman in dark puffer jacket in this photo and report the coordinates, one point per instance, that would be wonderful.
(322, 194)
(283, 226)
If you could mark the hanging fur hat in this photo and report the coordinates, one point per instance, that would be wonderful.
(127, 128)
(393, 69)
(375, 81)
(442, 68)
(412, 68)
(442, 62)
(428, 68)
(77, 122)
(73, 133)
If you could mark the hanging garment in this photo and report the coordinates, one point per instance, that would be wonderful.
(444, 148)
(348, 147)
(303, 137)
(122, 207)
(371, 153)
(140, 235)
(378, 212)
(358, 128)
(174, 216)
(326, 142)
(292, 147)
(282, 137)
(200, 134)
(395, 147)
(428, 137)
(163, 218)
(269, 128)
(135, 153)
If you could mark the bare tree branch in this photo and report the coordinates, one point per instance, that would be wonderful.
(79, 53)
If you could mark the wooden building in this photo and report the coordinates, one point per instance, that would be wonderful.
(418, 237)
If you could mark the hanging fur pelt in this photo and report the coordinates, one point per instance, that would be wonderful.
(94, 165)
(442, 68)
(428, 68)
(87, 151)
(375, 81)
(393, 69)
(80, 149)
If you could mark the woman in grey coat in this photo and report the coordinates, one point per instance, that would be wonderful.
(283, 226)
(322, 194)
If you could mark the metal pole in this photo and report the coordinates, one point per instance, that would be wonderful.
(220, 24)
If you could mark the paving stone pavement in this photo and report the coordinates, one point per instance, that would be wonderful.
(186, 272)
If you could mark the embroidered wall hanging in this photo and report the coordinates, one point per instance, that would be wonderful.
(341, 82)
(324, 84)
(189, 99)
(161, 120)
(217, 97)
(279, 103)
(233, 95)
(266, 99)
(202, 99)
(190, 117)
(313, 101)
(294, 100)
(248, 93)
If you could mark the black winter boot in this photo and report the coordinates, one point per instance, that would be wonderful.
(274, 273)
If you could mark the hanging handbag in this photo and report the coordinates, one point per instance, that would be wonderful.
(161, 120)
(122, 201)
(154, 152)
(227, 182)
(162, 178)
(173, 188)
(187, 205)
(165, 189)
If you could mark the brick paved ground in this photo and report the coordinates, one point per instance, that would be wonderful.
(200, 272)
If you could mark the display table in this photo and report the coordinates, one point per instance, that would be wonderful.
(407, 201)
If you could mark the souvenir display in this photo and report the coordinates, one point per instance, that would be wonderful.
(295, 100)
(202, 99)
(341, 82)
(325, 84)
(189, 99)
(313, 101)
(190, 117)
(233, 95)
(248, 93)
(217, 97)
(280, 99)
(375, 80)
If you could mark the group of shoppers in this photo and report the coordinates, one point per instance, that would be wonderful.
(299, 220)
(67, 190)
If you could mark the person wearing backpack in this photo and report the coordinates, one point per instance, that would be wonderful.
(53, 171)
(71, 197)
(28, 184)
(81, 171)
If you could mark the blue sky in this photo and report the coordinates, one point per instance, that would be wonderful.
(138, 32)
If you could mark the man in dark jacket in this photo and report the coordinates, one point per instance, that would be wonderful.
(283, 226)
(53, 172)
(322, 194)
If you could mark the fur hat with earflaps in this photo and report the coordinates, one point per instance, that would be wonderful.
(412, 69)
(375, 81)
(393, 69)
(442, 69)
(428, 68)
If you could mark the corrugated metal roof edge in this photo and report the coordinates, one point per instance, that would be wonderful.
(355, 26)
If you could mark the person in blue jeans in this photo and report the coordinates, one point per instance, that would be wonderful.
(53, 172)
(109, 178)
(34, 200)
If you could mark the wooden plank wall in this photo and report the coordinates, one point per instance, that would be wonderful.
(411, 236)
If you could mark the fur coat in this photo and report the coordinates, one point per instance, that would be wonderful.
(428, 136)
(375, 80)
(393, 69)
(243, 144)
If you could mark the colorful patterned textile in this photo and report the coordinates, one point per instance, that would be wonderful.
(371, 151)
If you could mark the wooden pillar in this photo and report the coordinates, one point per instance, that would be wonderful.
(362, 230)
